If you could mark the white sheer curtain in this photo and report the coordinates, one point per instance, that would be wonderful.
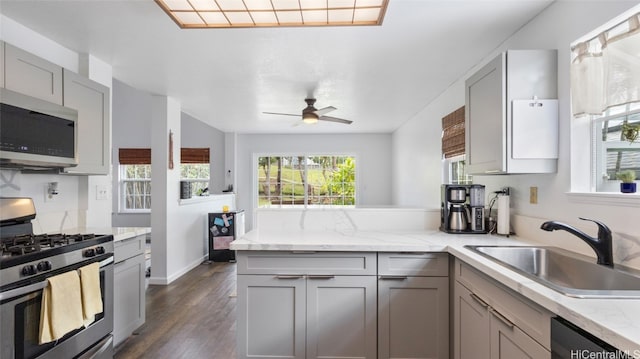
(605, 71)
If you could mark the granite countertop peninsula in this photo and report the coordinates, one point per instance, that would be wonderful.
(616, 321)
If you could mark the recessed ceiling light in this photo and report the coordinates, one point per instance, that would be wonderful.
(273, 13)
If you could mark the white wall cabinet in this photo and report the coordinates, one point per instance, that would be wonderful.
(493, 322)
(506, 130)
(32, 75)
(129, 287)
(413, 305)
(92, 101)
(303, 305)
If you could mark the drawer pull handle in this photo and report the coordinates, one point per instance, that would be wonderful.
(297, 276)
(303, 252)
(393, 277)
(321, 276)
(479, 301)
(503, 319)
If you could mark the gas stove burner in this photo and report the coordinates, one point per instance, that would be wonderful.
(28, 243)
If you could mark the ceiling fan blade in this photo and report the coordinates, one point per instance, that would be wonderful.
(335, 119)
(280, 113)
(324, 110)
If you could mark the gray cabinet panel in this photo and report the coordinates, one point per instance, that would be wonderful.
(271, 316)
(341, 317)
(471, 322)
(128, 248)
(31, 75)
(129, 297)
(2, 64)
(330, 263)
(92, 102)
(509, 342)
(413, 317)
(414, 264)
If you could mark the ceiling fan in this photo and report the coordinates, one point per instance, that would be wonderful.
(310, 114)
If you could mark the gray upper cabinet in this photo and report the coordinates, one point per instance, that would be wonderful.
(511, 114)
(2, 64)
(91, 99)
(31, 75)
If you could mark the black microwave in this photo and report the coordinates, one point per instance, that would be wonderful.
(36, 134)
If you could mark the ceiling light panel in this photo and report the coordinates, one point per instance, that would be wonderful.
(260, 13)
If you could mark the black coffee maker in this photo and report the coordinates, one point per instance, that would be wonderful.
(462, 208)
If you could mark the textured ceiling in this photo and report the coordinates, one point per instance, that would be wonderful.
(378, 76)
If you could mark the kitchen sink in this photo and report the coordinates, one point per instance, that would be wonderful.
(567, 272)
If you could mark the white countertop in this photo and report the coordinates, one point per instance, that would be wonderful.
(119, 233)
(616, 321)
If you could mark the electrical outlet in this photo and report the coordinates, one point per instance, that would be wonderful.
(102, 192)
(533, 195)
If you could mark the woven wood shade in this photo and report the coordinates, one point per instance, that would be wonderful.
(134, 156)
(453, 133)
(194, 155)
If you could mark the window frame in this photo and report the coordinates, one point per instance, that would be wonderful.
(122, 182)
(306, 205)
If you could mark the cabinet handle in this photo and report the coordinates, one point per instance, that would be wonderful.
(479, 301)
(503, 319)
(303, 252)
(321, 276)
(295, 276)
(393, 277)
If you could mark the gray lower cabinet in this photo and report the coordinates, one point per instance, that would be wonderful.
(129, 287)
(306, 305)
(491, 321)
(413, 305)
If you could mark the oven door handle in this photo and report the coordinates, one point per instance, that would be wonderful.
(18, 292)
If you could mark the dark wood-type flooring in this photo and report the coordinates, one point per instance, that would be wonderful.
(193, 317)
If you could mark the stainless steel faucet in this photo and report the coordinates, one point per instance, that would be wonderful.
(603, 245)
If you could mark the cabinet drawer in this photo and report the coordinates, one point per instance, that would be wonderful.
(343, 263)
(128, 248)
(414, 264)
(530, 317)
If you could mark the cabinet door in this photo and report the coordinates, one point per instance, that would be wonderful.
(509, 342)
(341, 317)
(471, 324)
(413, 317)
(91, 99)
(31, 75)
(2, 64)
(129, 297)
(271, 316)
(485, 119)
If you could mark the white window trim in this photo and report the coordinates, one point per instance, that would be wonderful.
(121, 197)
(254, 178)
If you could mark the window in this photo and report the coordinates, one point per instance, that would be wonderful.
(613, 152)
(195, 168)
(135, 179)
(306, 181)
(135, 187)
(453, 147)
(198, 175)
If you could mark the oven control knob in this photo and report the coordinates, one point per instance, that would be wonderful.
(44, 266)
(90, 252)
(29, 270)
(100, 250)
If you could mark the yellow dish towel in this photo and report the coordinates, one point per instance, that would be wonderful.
(91, 295)
(61, 310)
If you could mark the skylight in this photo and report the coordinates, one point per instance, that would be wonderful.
(273, 13)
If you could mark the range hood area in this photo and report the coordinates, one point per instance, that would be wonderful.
(36, 134)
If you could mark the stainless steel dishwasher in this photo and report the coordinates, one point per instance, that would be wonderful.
(570, 342)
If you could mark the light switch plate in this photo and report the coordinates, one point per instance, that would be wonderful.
(533, 195)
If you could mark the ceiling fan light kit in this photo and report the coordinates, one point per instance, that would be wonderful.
(311, 115)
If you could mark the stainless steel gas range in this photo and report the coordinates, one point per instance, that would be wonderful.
(27, 262)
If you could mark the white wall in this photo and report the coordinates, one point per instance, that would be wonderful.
(196, 133)
(556, 28)
(372, 153)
